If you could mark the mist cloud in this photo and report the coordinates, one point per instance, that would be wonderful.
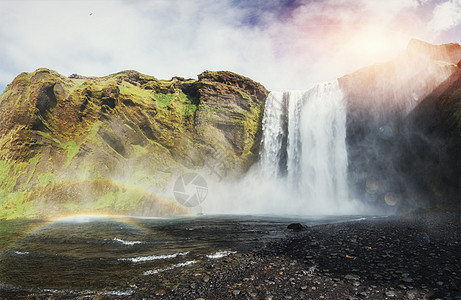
(287, 44)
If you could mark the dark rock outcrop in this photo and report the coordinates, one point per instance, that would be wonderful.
(296, 227)
(431, 138)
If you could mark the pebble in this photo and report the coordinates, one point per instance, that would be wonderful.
(411, 294)
(352, 277)
(390, 294)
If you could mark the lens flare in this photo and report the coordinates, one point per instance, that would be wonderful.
(371, 187)
(386, 131)
(390, 199)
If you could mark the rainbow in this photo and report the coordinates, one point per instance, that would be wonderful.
(77, 218)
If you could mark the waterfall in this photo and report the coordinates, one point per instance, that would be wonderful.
(302, 168)
(304, 147)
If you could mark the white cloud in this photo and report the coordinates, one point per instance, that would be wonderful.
(446, 16)
(309, 43)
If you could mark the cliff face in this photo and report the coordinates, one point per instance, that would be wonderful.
(401, 128)
(431, 137)
(110, 144)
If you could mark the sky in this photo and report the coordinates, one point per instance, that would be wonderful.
(283, 44)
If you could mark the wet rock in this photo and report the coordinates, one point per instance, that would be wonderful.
(296, 227)
(352, 277)
(425, 238)
(390, 294)
(412, 294)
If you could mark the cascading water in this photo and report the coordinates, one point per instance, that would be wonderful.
(304, 147)
(303, 159)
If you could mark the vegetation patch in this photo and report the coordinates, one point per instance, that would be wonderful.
(72, 150)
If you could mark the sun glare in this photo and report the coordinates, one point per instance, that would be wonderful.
(370, 46)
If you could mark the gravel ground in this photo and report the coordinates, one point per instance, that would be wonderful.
(415, 257)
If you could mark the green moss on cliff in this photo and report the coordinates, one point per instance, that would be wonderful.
(46, 178)
(60, 135)
(33, 164)
(7, 180)
(72, 150)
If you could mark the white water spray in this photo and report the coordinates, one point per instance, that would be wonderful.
(303, 157)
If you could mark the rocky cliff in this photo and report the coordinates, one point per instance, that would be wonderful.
(431, 139)
(403, 127)
(112, 144)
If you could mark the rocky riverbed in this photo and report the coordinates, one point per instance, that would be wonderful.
(411, 257)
